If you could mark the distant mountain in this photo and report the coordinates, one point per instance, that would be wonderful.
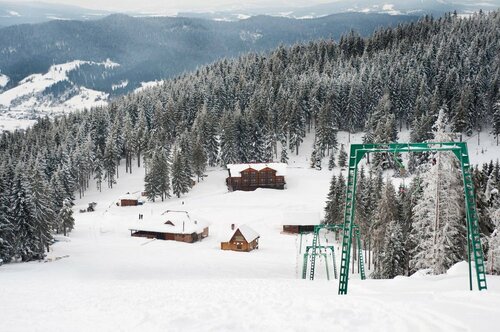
(13, 13)
(149, 49)
(406, 7)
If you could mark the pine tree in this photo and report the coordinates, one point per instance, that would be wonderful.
(42, 207)
(334, 210)
(330, 208)
(140, 135)
(331, 162)
(284, 153)
(385, 214)
(66, 217)
(326, 131)
(99, 169)
(392, 262)
(296, 127)
(199, 159)
(439, 220)
(7, 236)
(29, 243)
(496, 120)
(342, 156)
(157, 179)
(228, 142)
(179, 183)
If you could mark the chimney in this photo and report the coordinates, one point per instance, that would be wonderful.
(232, 227)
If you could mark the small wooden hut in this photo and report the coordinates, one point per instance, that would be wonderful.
(249, 177)
(129, 199)
(243, 239)
(296, 222)
(172, 225)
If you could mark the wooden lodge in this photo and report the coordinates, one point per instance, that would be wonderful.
(172, 225)
(129, 200)
(248, 177)
(243, 239)
(296, 222)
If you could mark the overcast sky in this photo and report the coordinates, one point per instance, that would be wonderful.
(172, 6)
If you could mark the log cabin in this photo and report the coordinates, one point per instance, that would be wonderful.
(296, 222)
(248, 177)
(243, 239)
(172, 225)
(129, 199)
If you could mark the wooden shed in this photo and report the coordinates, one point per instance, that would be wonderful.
(296, 222)
(243, 239)
(129, 199)
(249, 177)
(172, 225)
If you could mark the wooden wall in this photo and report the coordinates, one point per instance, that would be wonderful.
(252, 179)
(128, 202)
(245, 246)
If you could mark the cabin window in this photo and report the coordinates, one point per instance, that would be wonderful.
(253, 178)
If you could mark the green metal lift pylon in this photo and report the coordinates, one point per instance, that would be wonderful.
(358, 151)
(315, 246)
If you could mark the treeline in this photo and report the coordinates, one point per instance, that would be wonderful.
(253, 107)
(422, 224)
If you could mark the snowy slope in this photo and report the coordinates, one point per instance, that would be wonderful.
(102, 279)
(28, 94)
(4, 79)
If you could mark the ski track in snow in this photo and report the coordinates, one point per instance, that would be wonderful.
(113, 282)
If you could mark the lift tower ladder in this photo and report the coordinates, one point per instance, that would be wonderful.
(358, 151)
(361, 262)
(473, 236)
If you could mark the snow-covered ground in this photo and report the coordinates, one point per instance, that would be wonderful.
(27, 96)
(10, 124)
(102, 279)
(4, 79)
(146, 85)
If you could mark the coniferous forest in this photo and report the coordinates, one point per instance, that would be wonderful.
(424, 76)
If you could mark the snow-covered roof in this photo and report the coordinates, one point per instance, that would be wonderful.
(133, 196)
(301, 218)
(182, 223)
(248, 233)
(235, 169)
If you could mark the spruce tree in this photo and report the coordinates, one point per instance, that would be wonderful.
(157, 179)
(342, 156)
(66, 217)
(392, 262)
(284, 153)
(385, 213)
(198, 159)
(331, 162)
(42, 207)
(439, 219)
(180, 185)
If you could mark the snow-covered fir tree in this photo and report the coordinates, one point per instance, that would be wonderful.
(180, 180)
(342, 156)
(439, 218)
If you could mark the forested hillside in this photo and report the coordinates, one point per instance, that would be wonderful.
(254, 108)
(155, 48)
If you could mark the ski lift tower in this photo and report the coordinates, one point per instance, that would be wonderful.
(459, 149)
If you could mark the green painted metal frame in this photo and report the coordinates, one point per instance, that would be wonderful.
(314, 249)
(358, 151)
(315, 245)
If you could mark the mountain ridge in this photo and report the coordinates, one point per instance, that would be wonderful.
(156, 48)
